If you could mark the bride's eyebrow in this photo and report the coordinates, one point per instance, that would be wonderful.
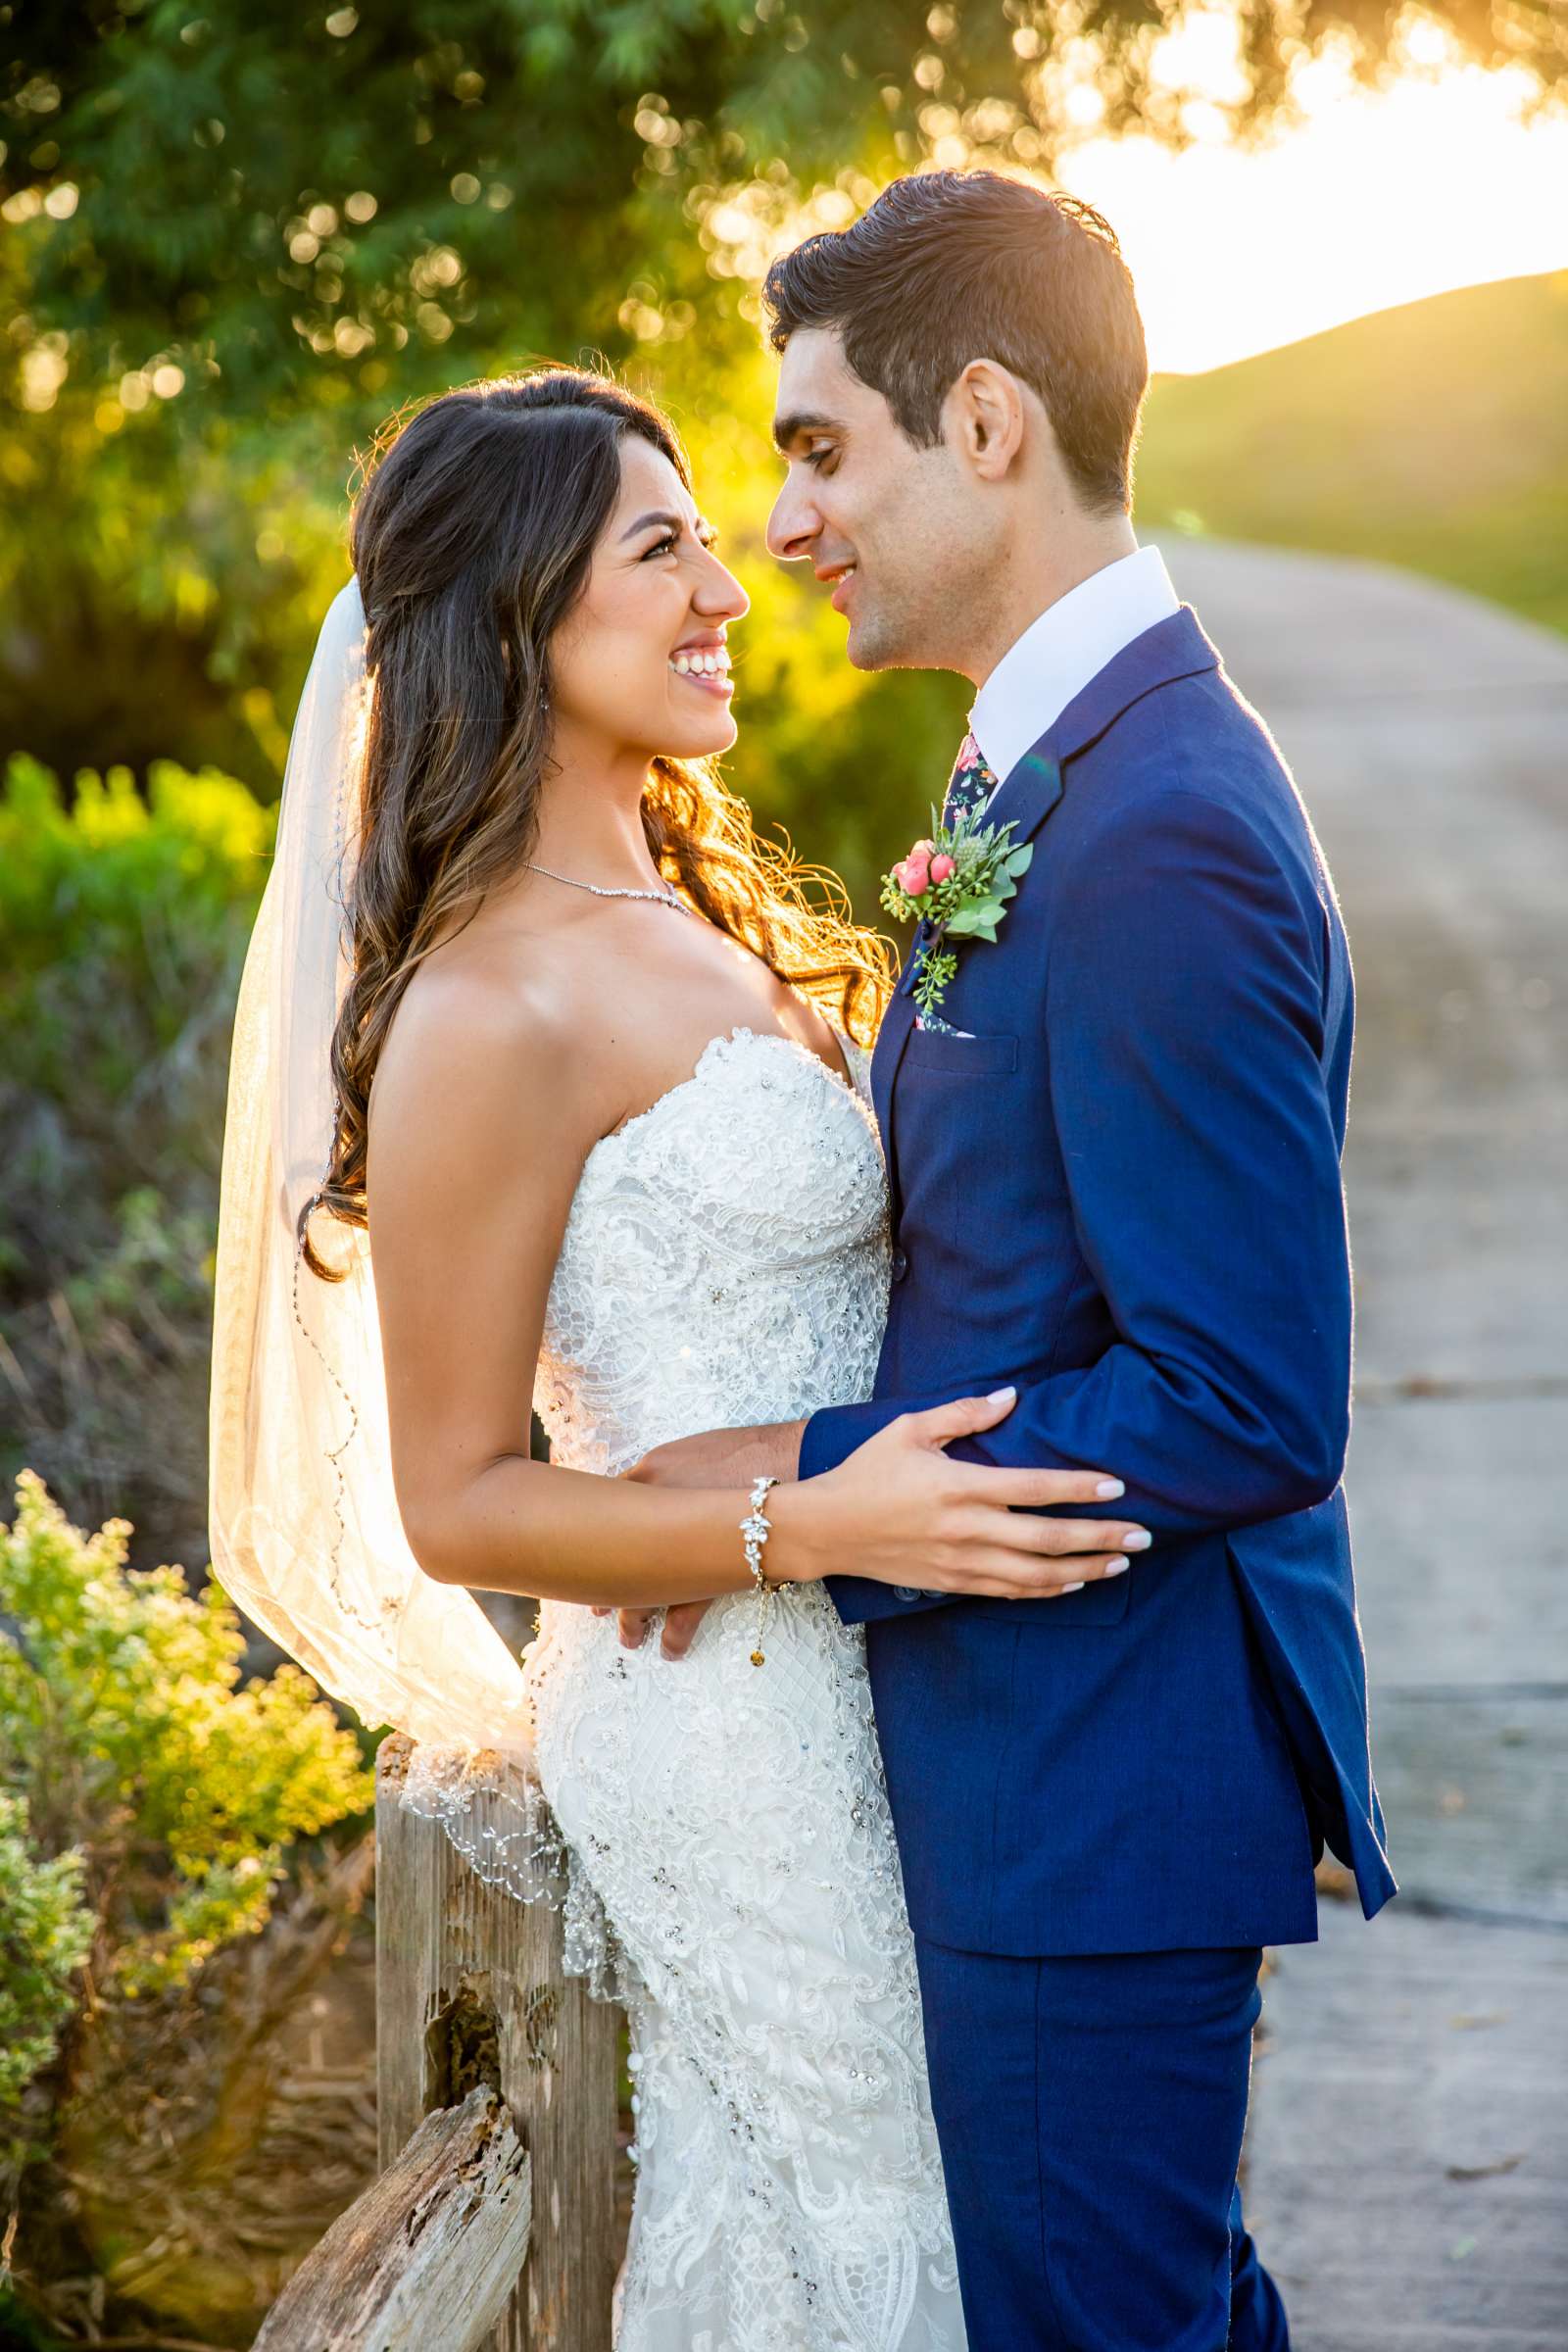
(671, 523)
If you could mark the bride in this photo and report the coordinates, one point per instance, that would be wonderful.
(528, 1002)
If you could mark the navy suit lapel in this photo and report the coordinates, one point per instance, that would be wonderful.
(1172, 649)
(1029, 793)
(1175, 648)
(892, 1037)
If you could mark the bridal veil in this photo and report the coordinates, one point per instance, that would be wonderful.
(305, 1527)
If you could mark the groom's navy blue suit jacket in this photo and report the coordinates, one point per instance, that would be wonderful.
(1122, 1192)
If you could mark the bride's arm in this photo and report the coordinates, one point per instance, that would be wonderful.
(483, 1110)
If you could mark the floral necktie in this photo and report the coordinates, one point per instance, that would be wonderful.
(970, 785)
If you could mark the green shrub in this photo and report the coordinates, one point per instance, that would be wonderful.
(146, 890)
(153, 1805)
(122, 926)
(123, 1725)
(45, 1932)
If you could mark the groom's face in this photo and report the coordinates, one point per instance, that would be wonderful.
(888, 526)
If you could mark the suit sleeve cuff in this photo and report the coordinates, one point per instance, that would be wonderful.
(833, 1434)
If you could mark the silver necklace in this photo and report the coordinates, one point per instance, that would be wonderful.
(660, 897)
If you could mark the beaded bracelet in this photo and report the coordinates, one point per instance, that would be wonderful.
(757, 1528)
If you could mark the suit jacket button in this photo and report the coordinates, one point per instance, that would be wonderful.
(899, 1263)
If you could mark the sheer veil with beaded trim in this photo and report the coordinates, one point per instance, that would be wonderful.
(304, 1523)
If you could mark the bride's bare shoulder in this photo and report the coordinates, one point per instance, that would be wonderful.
(478, 1040)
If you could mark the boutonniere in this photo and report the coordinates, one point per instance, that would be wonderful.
(960, 884)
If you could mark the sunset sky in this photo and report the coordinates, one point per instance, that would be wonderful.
(1378, 198)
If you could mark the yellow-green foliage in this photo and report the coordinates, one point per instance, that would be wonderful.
(1435, 435)
(106, 891)
(124, 1726)
(122, 925)
(45, 1932)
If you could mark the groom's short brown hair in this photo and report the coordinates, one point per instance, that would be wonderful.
(950, 267)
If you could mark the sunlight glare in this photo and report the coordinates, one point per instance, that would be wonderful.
(1375, 197)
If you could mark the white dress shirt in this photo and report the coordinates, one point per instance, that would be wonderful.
(1058, 653)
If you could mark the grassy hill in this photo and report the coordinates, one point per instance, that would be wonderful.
(1435, 435)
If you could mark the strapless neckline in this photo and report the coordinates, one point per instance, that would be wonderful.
(704, 1062)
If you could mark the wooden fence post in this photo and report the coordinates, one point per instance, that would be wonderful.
(427, 2259)
(470, 1991)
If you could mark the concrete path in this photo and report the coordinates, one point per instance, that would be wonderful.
(1408, 2158)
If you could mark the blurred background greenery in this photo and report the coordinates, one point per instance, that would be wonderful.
(235, 243)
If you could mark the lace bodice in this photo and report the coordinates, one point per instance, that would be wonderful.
(725, 1261)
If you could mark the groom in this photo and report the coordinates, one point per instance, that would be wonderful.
(1115, 1161)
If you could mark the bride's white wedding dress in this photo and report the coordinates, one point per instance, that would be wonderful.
(725, 1262)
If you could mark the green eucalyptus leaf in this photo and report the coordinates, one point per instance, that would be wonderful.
(1020, 860)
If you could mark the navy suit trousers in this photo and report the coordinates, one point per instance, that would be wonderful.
(1090, 2111)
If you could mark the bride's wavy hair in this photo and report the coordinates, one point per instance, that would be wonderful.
(473, 536)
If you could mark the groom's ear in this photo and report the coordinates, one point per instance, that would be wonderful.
(986, 415)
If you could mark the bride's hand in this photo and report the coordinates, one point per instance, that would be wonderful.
(897, 1510)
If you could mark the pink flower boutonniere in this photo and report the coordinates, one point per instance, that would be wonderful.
(960, 883)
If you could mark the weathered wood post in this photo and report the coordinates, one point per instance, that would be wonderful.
(470, 1991)
(427, 2259)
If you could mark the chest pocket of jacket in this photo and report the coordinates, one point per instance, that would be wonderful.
(954, 1118)
(934, 1054)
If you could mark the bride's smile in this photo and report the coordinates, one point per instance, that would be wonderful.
(706, 662)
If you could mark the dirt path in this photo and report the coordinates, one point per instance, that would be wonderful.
(1409, 2148)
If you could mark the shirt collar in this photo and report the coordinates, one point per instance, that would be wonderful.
(1058, 655)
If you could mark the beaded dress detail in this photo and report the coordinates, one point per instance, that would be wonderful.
(725, 1262)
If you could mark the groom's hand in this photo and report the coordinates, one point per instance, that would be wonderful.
(716, 1457)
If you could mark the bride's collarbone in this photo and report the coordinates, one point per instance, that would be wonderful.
(658, 999)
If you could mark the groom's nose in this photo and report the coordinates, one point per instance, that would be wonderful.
(793, 522)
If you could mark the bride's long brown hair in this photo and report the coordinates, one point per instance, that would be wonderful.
(472, 537)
